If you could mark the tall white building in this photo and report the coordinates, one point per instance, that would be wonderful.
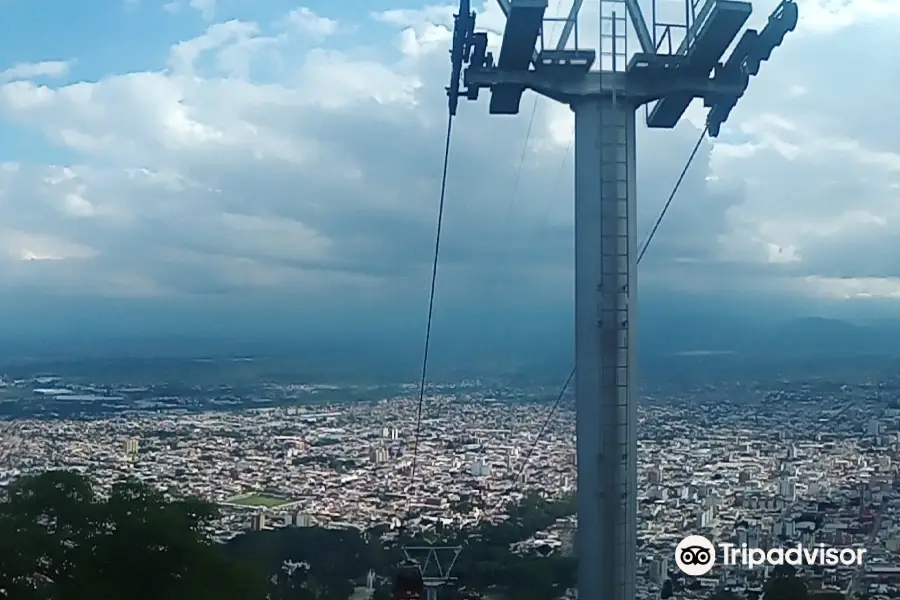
(480, 469)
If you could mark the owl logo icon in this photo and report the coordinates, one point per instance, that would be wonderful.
(695, 555)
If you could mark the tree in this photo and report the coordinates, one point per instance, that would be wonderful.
(291, 584)
(784, 584)
(63, 543)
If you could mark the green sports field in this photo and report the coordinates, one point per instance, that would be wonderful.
(258, 500)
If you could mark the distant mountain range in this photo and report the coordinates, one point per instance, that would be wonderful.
(793, 337)
(389, 339)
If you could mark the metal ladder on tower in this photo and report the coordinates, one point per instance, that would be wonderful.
(616, 250)
(614, 152)
(613, 35)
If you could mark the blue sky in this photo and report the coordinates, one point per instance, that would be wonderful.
(272, 154)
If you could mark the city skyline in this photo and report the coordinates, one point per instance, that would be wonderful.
(767, 463)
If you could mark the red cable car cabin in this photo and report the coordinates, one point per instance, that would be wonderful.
(409, 585)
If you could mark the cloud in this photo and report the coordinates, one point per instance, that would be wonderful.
(281, 157)
(25, 71)
(309, 23)
(206, 8)
(821, 169)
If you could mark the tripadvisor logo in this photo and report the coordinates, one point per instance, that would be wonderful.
(695, 555)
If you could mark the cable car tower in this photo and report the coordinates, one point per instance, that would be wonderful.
(605, 102)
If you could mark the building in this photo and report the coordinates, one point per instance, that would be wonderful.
(258, 521)
(873, 428)
(132, 446)
(659, 569)
(786, 489)
(480, 469)
(297, 519)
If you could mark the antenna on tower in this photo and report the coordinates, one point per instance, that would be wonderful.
(676, 63)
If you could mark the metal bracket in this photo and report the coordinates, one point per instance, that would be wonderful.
(649, 76)
(434, 572)
(751, 51)
(468, 47)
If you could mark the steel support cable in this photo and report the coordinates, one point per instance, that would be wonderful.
(558, 181)
(515, 192)
(512, 198)
(434, 268)
(665, 208)
(643, 250)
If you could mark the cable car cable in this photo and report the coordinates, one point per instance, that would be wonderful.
(408, 583)
(534, 106)
(521, 165)
(515, 192)
(665, 209)
(557, 182)
(643, 251)
(434, 269)
(559, 397)
(568, 382)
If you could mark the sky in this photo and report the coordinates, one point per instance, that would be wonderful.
(227, 165)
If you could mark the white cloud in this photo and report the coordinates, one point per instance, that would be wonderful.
(206, 8)
(828, 16)
(23, 71)
(290, 158)
(311, 24)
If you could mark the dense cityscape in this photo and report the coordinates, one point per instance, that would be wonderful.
(808, 461)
